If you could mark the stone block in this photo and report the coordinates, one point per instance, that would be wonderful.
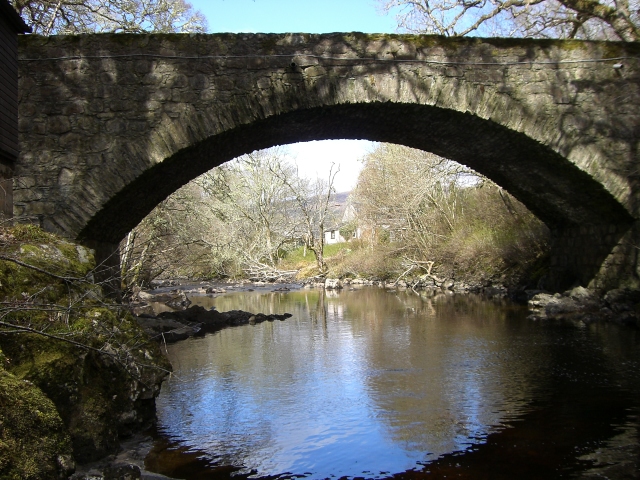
(57, 125)
(142, 66)
(66, 176)
(25, 124)
(152, 79)
(95, 106)
(199, 82)
(333, 284)
(26, 110)
(74, 142)
(98, 143)
(179, 81)
(116, 126)
(120, 105)
(39, 208)
(160, 95)
(224, 83)
(108, 78)
(263, 83)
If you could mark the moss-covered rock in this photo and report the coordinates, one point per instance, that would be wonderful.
(88, 358)
(33, 441)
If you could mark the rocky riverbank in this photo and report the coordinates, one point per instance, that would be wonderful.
(128, 462)
(619, 305)
(581, 304)
(78, 374)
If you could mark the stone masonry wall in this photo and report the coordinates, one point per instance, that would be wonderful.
(580, 252)
(112, 124)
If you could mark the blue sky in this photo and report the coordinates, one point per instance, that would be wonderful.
(308, 16)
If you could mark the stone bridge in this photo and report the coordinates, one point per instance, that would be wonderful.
(110, 125)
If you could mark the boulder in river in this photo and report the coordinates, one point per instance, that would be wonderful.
(333, 284)
(197, 320)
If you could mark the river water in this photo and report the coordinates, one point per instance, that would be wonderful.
(372, 383)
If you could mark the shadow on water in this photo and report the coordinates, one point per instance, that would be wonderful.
(568, 409)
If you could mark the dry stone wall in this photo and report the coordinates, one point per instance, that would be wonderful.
(112, 124)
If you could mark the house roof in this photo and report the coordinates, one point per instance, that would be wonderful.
(341, 201)
(10, 14)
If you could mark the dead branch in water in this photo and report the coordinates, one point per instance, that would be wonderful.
(412, 264)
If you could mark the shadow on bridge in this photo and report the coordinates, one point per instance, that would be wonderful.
(118, 123)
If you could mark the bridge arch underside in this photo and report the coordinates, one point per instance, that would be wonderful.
(586, 221)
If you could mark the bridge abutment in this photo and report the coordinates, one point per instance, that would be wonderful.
(596, 256)
(107, 272)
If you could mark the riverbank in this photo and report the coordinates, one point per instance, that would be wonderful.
(78, 373)
(579, 304)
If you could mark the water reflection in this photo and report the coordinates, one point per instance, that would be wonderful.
(372, 383)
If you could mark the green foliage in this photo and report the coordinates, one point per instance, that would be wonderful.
(347, 230)
(296, 258)
(384, 236)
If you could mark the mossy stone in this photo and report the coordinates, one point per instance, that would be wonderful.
(33, 441)
(99, 397)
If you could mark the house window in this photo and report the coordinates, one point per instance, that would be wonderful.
(353, 234)
(333, 234)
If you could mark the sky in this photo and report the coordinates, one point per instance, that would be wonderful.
(286, 16)
(308, 16)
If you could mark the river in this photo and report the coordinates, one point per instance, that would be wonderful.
(370, 383)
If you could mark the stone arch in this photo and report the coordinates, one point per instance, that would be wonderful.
(107, 132)
(535, 174)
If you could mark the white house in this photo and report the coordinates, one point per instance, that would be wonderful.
(345, 211)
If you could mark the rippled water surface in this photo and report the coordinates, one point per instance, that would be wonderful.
(374, 384)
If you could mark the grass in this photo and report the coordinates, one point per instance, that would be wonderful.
(295, 257)
(347, 259)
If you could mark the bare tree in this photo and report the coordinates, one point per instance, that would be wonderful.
(410, 194)
(48, 17)
(235, 219)
(587, 19)
(313, 201)
(189, 234)
(253, 203)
